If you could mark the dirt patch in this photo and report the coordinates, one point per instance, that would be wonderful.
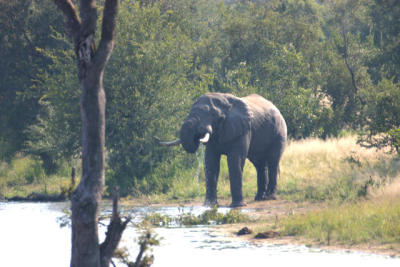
(267, 234)
(266, 216)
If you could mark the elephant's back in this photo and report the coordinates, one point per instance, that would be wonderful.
(264, 111)
(258, 102)
(268, 124)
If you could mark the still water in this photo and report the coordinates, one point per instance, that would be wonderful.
(31, 236)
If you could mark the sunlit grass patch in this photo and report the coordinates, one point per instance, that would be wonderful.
(24, 176)
(334, 169)
(376, 221)
(210, 216)
(317, 170)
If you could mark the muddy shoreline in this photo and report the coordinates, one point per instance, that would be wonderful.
(266, 213)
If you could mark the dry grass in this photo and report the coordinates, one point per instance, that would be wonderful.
(360, 188)
(338, 169)
(311, 170)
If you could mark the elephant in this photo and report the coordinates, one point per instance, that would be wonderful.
(250, 127)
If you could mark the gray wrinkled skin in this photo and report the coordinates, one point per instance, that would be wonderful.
(249, 127)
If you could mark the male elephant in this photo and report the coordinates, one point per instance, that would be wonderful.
(249, 127)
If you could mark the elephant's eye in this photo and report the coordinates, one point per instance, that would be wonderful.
(200, 110)
(205, 108)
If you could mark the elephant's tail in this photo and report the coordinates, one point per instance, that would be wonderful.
(279, 172)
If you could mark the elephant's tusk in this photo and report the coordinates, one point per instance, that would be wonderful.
(205, 138)
(168, 143)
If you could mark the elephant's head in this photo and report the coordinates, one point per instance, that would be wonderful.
(214, 117)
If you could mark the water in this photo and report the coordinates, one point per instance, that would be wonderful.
(31, 236)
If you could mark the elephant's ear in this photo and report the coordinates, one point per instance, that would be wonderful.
(237, 121)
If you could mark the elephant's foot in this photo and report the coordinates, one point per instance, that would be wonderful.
(236, 204)
(271, 197)
(210, 203)
(265, 196)
(260, 197)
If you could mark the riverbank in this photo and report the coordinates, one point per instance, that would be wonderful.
(332, 193)
(336, 169)
(369, 225)
(276, 216)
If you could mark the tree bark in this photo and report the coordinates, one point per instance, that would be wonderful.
(346, 57)
(86, 250)
(355, 92)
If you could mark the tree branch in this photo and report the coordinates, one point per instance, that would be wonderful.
(109, 20)
(114, 233)
(107, 32)
(88, 14)
(346, 58)
(72, 18)
(347, 63)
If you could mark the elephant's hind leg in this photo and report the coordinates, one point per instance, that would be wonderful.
(273, 169)
(261, 182)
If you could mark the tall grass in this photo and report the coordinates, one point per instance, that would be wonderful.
(360, 188)
(25, 175)
(335, 169)
(376, 221)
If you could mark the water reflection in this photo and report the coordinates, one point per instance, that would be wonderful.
(30, 236)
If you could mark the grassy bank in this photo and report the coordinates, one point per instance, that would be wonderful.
(335, 170)
(311, 170)
(355, 191)
(374, 221)
(24, 176)
(361, 189)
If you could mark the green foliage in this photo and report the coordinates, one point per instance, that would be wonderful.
(147, 239)
(56, 133)
(21, 171)
(327, 66)
(24, 25)
(211, 216)
(383, 115)
(150, 95)
(158, 219)
(24, 176)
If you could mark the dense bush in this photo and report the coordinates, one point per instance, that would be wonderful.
(327, 65)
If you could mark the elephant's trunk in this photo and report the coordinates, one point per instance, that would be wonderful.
(189, 137)
(193, 133)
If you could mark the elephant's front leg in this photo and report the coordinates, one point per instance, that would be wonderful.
(211, 170)
(236, 162)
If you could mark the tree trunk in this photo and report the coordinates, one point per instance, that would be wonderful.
(85, 200)
(86, 250)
